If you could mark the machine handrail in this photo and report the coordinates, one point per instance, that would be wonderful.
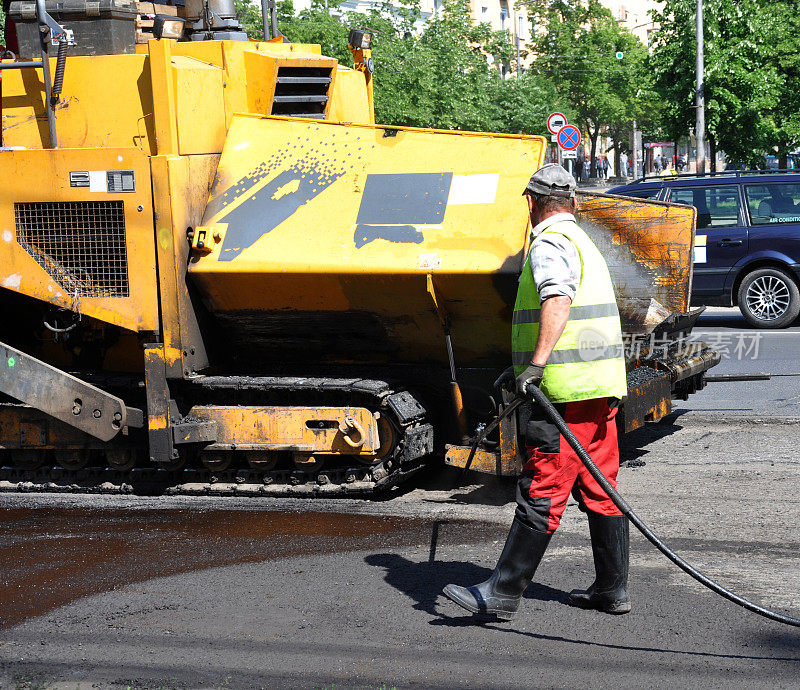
(54, 29)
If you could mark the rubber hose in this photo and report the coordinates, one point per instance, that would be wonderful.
(58, 79)
(619, 501)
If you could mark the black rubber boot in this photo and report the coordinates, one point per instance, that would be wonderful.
(610, 546)
(501, 593)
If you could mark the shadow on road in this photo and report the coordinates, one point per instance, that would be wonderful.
(633, 446)
(469, 620)
(423, 583)
(491, 491)
(473, 488)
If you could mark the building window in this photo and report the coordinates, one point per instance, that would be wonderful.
(503, 15)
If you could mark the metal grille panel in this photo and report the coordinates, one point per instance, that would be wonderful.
(81, 244)
(301, 92)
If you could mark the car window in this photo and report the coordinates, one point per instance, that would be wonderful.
(642, 193)
(773, 203)
(717, 207)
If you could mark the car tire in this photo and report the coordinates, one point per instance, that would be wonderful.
(769, 298)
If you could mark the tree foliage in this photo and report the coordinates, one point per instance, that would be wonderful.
(445, 75)
(250, 17)
(783, 121)
(751, 63)
(596, 65)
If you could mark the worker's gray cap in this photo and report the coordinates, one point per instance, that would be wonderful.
(551, 180)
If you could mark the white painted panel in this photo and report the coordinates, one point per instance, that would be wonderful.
(98, 181)
(700, 255)
(473, 189)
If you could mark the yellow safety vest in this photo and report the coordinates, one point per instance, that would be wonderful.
(588, 360)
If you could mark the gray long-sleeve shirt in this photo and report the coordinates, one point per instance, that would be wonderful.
(554, 260)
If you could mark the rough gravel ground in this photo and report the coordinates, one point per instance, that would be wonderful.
(111, 592)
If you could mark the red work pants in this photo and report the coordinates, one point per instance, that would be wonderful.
(548, 477)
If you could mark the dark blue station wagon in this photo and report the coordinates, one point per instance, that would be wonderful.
(747, 246)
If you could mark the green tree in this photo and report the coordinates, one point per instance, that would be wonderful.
(461, 76)
(312, 25)
(742, 79)
(618, 88)
(317, 25)
(783, 120)
(404, 80)
(444, 78)
(250, 17)
(597, 65)
(439, 77)
(523, 103)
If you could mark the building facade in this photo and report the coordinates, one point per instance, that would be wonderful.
(635, 16)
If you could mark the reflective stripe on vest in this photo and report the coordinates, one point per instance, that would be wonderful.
(588, 359)
(589, 311)
(582, 354)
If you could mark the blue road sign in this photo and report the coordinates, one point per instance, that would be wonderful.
(569, 137)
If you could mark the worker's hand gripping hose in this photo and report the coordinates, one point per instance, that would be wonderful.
(540, 398)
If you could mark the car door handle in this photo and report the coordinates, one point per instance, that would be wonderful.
(729, 243)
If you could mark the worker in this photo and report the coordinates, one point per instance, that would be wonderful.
(567, 339)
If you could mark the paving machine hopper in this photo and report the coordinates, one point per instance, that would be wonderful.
(220, 276)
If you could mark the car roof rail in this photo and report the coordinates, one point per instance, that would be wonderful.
(718, 173)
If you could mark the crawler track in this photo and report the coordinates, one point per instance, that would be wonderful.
(350, 482)
(411, 445)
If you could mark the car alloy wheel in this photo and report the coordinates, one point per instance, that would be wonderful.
(769, 298)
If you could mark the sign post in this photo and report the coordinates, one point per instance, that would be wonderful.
(569, 138)
(555, 122)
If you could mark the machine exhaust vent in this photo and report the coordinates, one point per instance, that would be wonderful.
(301, 92)
(81, 244)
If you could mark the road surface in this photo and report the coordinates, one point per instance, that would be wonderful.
(748, 350)
(202, 592)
